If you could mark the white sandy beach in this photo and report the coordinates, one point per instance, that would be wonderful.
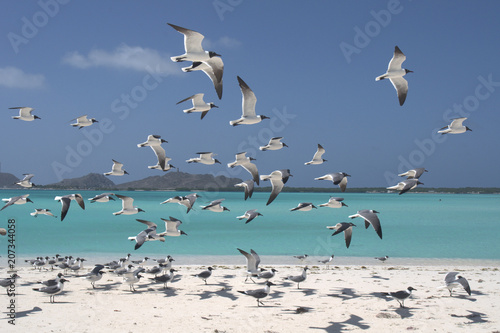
(337, 299)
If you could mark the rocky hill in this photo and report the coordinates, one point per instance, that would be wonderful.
(8, 180)
(87, 182)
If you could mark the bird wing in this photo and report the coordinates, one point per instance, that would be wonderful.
(186, 99)
(464, 284)
(79, 200)
(148, 223)
(172, 225)
(117, 166)
(319, 152)
(373, 219)
(160, 154)
(252, 169)
(192, 39)
(217, 68)
(277, 187)
(397, 60)
(256, 257)
(450, 277)
(401, 86)
(65, 201)
(127, 202)
(457, 123)
(343, 184)
(249, 99)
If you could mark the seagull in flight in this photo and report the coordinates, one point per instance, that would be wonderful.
(128, 207)
(334, 202)
(453, 280)
(338, 178)
(345, 227)
(17, 200)
(317, 158)
(456, 127)
(41, 211)
(83, 121)
(248, 116)
(172, 227)
(274, 144)
(199, 105)
(304, 207)
(246, 163)
(405, 185)
(370, 217)
(205, 158)
(249, 215)
(213, 67)
(66, 200)
(148, 234)
(25, 182)
(24, 113)
(192, 46)
(187, 200)
(278, 179)
(253, 261)
(155, 141)
(215, 206)
(395, 74)
(413, 173)
(116, 170)
(104, 197)
(248, 185)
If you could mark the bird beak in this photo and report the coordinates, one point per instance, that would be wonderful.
(468, 129)
(264, 117)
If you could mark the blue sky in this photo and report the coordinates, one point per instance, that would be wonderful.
(312, 66)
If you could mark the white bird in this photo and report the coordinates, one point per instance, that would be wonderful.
(204, 275)
(83, 121)
(456, 127)
(395, 74)
(187, 200)
(453, 280)
(199, 105)
(328, 261)
(278, 178)
(249, 215)
(148, 234)
(267, 275)
(215, 206)
(128, 207)
(246, 163)
(258, 293)
(334, 202)
(116, 170)
(17, 200)
(172, 227)
(133, 278)
(104, 197)
(298, 278)
(192, 46)
(95, 275)
(345, 227)
(155, 141)
(401, 295)
(274, 144)
(370, 217)
(304, 207)
(253, 261)
(338, 178)
(41, 211)
(405, 185)
(248, 185)
(25, 182)
(248, 116)
(52, 290)
(317, 158)
(205, 158)
(24, 113)
(413, 173)
(213, 67)
(66, 200)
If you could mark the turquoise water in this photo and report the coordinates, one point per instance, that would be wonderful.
(414, 225)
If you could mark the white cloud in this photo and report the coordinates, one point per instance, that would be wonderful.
(127, 57)
(13, 77)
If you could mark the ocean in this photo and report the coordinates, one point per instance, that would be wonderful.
(415, 225)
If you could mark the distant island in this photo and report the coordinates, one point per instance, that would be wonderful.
(182, 181)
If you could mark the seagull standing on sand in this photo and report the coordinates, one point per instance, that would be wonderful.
(405, 185)
(304, 207)
(52, 290)
(413, 173)
(66, 200)
(302, 257)
(215, 206)
(116, 170)
(453, 280)
(205, 158)
(274, 144)
(248, 116)
(246, 163)
(165, 278)
(345, 227)
(259, 293)
(401, 295)
(328, 261)
(370, 217)
(205, 274)
(199, 105)
(25, 182)
(395, 74)
(383, 259)
(456, 127)
(83, 121)
(253, 261)
(24, 113)
(249, 215)
(128, 207)
(338, 178)
(267, 275)
(95, 275)
(298, 278)
(334, 202)
(278, 179)
(317, 158)
(18, 200)
(133, 278)
(248, 185)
